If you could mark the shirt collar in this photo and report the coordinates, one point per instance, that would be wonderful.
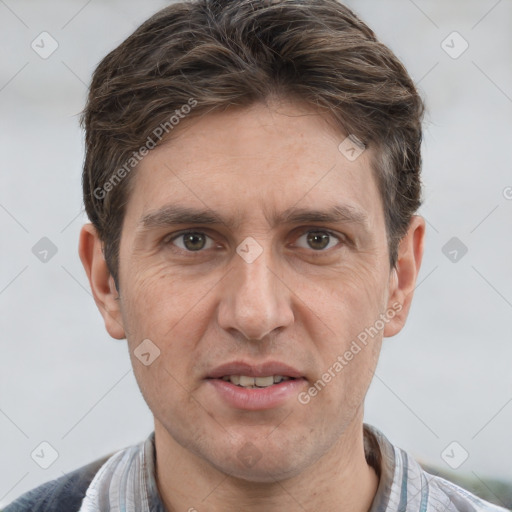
(379, 452)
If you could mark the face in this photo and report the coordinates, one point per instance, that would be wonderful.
(252, 246)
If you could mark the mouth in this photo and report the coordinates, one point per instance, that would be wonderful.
(253, 387)
(245, 381)
(255, 375)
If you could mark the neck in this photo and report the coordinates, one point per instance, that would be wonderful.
(339, 480)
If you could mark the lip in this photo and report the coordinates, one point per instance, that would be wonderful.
(254, 370)
(254, 399)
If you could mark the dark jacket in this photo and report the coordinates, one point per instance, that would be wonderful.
(65, 494)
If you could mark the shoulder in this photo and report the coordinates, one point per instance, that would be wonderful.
(64, 494)
(433, 493)
(404, 485)
(456, 498)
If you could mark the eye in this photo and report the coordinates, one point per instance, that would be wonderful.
(190, 241)
(319, 240)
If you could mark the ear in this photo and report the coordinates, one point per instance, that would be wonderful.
(102, 283)
(403, 277)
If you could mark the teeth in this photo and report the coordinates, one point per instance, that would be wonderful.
(253, 382)
(246, 381)
(263, 382)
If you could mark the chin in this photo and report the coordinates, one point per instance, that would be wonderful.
(261, 474)
(251, 463)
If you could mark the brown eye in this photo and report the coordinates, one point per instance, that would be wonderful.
(192, 241)
(319, 240)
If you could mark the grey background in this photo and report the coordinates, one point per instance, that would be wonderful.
(445, 378)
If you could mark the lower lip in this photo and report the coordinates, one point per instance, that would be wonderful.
(254, 399)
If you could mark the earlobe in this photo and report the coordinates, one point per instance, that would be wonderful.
(403, 278)
(101, 281)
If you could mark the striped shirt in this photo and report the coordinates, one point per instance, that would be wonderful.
(125, 482)
(405, 487)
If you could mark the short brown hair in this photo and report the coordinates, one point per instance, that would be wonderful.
(212, 54)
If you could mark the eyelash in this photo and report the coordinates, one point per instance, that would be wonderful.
(168, 239)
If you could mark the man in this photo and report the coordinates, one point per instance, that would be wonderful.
(252, 177)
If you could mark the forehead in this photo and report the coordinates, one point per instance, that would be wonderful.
(256, 162)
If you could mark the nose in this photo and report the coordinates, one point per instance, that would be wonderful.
(255, 300)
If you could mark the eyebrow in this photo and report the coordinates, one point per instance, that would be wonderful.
(332, 215)
(173, 214)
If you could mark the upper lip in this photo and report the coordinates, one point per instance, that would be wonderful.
(254, 370)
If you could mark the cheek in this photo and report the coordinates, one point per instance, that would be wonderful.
(343, 381)
(169, 397)
(174, 313)
(347, 312)
(351, 299)
(157, 300)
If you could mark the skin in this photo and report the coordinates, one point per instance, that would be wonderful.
(296, 304)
